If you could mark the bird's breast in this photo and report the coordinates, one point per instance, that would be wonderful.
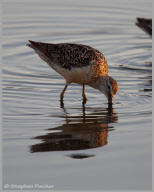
(80, 75)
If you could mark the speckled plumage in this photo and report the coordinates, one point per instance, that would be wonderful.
(77, 63)
(68, 56)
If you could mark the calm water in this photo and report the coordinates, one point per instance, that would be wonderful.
(76, 147)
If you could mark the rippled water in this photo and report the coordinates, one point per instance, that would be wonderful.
(76, 147)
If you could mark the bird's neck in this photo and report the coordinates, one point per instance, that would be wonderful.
(95, 83)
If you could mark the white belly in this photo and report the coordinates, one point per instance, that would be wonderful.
(75, 75)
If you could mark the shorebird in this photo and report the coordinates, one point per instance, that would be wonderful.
(79, 64)
(145, 24)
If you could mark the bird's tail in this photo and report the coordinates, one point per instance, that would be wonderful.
(37, 45)
(45, 51)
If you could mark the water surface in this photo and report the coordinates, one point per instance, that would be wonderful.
(77, 147)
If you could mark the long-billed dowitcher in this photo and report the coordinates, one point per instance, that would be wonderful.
(80, 64)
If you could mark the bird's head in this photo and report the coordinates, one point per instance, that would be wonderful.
(107, 85)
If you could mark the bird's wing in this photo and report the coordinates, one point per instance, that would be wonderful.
(70, 56)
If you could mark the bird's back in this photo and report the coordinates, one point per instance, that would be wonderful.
(66, 58)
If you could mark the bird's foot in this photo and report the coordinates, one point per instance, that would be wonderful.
(62, 100)
(84, 101)
(110, 105)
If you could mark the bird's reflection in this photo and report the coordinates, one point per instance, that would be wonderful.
(79, 132)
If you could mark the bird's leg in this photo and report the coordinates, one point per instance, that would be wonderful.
(83, 111)
(83, 94)
(62, 94)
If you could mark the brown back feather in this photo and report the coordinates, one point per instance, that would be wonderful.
(69, 55)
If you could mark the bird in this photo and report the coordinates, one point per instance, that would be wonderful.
(145, 24)
(80, 64)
